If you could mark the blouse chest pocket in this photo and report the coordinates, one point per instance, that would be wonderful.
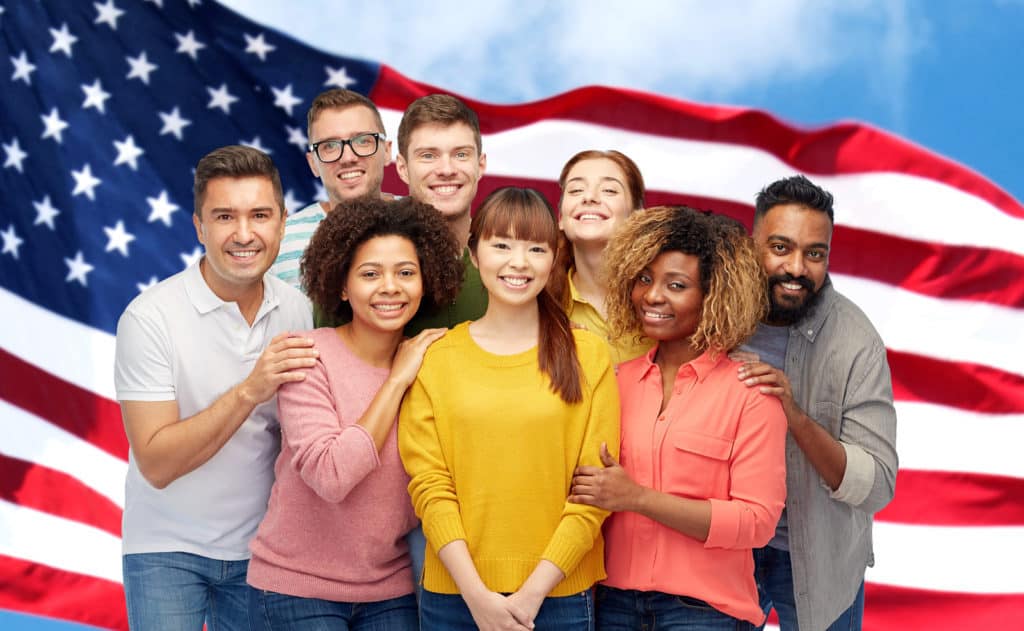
(696, 465)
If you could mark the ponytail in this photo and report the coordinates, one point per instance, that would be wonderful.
(556, 349)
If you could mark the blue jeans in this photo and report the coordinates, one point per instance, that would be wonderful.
(629, 609)
(417, 550)
(178, 591)
(270, 610)
(448, 612)
(773, 571)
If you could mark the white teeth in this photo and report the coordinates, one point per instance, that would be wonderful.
(351, 175)
(244, 254)
(515, 281)
(590, 217)
(387, 307)
(656, 316)
(792, 286)
(445, 190)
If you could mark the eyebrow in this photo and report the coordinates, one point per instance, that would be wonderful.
(604, 178)
(788, 241)
(379, 264)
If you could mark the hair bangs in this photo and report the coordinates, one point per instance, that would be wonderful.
(515, 213)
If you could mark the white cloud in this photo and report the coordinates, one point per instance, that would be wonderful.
(515, 50)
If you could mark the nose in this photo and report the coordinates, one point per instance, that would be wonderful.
(389, 283)
(794, 265)
(243, 230)
(518, 258)
(652, 295)
(590, 195)
(445, 166)
(348, 155)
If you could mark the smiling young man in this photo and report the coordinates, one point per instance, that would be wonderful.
(820, 355)
(348, 151)
(199, 358)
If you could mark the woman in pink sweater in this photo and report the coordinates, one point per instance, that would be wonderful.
(331, 550)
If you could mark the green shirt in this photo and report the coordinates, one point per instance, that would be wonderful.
(470, 304)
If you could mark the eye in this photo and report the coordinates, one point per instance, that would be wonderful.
(369, 274)
(500, 245)
(643, 279)
(462, 155)
(427, 155)
(778, 248)
(676, 286)
(575, 190)
(407, 273)
(539, 249)
(363, 140)
(222, 217)
(817, 255)
(609, 191)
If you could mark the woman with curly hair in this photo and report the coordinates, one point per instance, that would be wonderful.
(600, 190)
(492, 456)
(331, 550)
(702, 477)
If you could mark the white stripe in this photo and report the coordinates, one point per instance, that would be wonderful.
(32, 439)
(977, 560)
(72, 351)
(60, 543)
(938, 438)
(889, 203)
(957, 330)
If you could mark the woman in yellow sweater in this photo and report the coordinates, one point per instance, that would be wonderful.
(503, 410)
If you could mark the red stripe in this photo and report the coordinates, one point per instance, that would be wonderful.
(45, 591)
(75, 410)
(939, 498)
(890, 608)
(955, 384)
(43, 489)
(844, 148)
(941, 271)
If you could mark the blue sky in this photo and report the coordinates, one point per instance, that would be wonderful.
(946, 74)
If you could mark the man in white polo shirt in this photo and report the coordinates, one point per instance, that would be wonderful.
(199, 359)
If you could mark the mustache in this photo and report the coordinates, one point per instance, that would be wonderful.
(803, 281)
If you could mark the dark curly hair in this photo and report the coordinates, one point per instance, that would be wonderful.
(328, 257)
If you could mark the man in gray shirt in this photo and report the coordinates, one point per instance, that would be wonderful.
(821, 356)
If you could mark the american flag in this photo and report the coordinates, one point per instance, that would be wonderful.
(106, 108)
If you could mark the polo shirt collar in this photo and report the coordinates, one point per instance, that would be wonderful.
(205, 301)
(574, 294)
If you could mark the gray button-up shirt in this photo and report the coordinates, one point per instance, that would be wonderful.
(837, 366)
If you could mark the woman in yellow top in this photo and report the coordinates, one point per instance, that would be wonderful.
(503, 410)
(600, 190)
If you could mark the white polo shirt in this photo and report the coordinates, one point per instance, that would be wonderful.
(179, 341)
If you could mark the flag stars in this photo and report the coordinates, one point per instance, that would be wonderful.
(78, 268)
(257, 46)
(118, 238)
(221, 98)
(23, 68)
(255, 144)
(191, 258)
(291, 203)
(11, 241)
(95, 96)
(45, 213)
(146, 285)
(140, 68)
(107, 13)
(160, 208)
(128, 152)
(15, 156)
(284, 98)
(338, 77)
(297, 137)
(173, 123)
(54, 126)
(85, 182)
(63, 40)
(189, 45)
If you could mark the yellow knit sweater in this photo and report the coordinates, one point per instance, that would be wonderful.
(491, 452)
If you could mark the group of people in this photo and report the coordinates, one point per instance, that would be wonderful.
(610, 417)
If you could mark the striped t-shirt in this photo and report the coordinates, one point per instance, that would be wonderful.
(298, 230)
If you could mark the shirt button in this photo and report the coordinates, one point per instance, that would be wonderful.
(810, 331)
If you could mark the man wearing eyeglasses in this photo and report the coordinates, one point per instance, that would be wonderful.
(348, 151)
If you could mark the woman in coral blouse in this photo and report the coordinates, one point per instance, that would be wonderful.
(701, 480)
(502, 412)
(331, 550)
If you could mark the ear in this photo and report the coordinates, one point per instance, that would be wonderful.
(401, 167)
(472, 259)
(387, 152)
(483, 164)
(199, 228)
(312, 162)
(344, 295)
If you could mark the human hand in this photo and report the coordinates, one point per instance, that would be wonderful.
(772, 381)
(493, 612)
(608, 487)
(527, 604)
(409, 356)
(285, 359)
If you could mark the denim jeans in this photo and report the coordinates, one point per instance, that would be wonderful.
(631, 610)
(773, 571)
(417, 550)
(272, 611)
(178, 591)
(449, 612)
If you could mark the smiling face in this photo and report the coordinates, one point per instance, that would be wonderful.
(240, 224)
(794, 243)
(384, 285)
(668, 298)
(350, 176)
(595, 201)
(443, 167)
(514, 271)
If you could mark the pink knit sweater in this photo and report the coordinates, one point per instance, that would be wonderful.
(338, 514)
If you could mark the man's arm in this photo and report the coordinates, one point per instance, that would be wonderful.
(167, 448)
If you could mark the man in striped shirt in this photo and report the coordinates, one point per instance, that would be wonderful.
(348, 151)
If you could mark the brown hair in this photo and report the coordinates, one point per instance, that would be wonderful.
(523, 213)
(634, 187)
(436, 109)
(731, 275)
(234, 161)
(326, 262)
(339, 99)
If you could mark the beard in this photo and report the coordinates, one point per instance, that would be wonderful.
(787, 313)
